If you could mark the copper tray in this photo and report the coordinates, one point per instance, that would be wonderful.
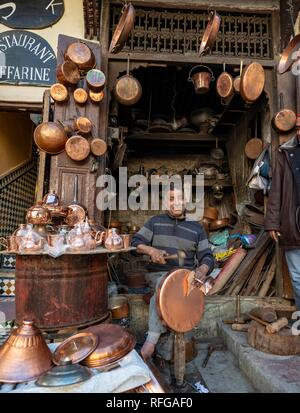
(287, 60)
(181, 313)
(76, 348)
(123, 29)
(114, 343)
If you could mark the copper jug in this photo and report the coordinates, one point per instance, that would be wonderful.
(25, 355)
(113, 241)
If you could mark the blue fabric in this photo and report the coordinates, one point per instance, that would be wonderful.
(293, 262)
(170, 234)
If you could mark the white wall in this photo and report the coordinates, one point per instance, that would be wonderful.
(71, 24)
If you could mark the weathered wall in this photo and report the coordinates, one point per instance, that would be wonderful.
(15, 141)
(71, 24)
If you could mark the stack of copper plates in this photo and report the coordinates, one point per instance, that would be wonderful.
(114, 343)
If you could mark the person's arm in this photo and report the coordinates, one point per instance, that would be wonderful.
(142, 241)
(206, 261)
(272, 220)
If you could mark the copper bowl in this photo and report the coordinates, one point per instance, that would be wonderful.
(114, 343)
(25, 355)
(50, 137)
(123, 29)
(219, 223)
(119, 307)
(210, 213)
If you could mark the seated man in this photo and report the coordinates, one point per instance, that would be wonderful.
(167, 234)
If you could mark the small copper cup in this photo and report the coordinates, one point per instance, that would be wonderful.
(56, 239)
(126, 240)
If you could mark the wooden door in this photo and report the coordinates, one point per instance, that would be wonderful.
(63, 169)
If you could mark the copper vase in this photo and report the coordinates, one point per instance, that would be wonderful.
(25, 355)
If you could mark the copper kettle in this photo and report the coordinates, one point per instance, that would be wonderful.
(38, 214)
(25, 355)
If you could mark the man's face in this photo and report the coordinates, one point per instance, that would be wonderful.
(176, 204)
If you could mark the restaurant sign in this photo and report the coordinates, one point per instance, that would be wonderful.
(26, 58)
(31, 14)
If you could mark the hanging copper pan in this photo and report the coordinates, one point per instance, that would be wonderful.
(179, 311)
(224, 85)
(95, 80)
(50, 137)
(237, 80)
(96, 97)
(210, 34)
(287, 57)
(77, 148)
(80, 54)
(59, 93)
(83, 125)
(285, 119)
(123, 29)
(252, 82)
(68, 74)
(98, 147)
(128, 89)
(80, 96)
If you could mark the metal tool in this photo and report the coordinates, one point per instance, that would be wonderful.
(180, 256)
(211, 349)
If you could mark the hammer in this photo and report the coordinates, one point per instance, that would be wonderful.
(180, 256)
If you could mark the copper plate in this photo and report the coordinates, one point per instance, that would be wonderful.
(75, 348)
(181, 313)
(114, 343)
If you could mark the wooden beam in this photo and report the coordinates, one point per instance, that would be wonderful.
(188, 58)
(42, 155)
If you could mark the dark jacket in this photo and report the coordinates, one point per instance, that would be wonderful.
(283, 205)
(170, 234)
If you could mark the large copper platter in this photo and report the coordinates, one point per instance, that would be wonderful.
(114, 343)
(181, 313)
(76, 348)
(123, 29)
(210, 34)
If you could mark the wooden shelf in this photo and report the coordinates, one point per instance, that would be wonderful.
(174, 136)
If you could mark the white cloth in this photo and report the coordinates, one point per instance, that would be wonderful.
(133, 372)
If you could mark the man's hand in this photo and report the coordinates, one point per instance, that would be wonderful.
(200, 275)
(147, 350)
(274, 235)
(157, 256)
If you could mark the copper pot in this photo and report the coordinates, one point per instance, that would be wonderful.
(80, 96)
(96, 97)
(25, 355)
(252, 82)
(50, 137)
(219, 223)
(38, 214)
(80, 54)
(59, 93)
(119, 307)
(95, 80)
(211, 213)
(68, 74)
(201, 79)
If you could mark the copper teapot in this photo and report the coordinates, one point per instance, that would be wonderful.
(113, 240)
